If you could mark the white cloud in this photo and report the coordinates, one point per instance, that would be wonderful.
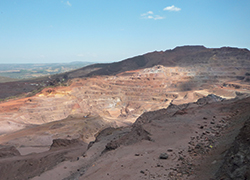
(150, 15)
(172, 8)
(147, 13)
(68, 3)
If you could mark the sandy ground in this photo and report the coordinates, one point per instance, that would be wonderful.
(30, 150)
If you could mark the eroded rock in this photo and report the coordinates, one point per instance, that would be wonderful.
(8, 151)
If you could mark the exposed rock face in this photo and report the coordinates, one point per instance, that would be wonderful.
(64, 143)
(236, 163)
(8, 151)
(209, 99)
(172, 109)
(136, 134)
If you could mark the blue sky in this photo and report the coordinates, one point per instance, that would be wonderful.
(45, 31)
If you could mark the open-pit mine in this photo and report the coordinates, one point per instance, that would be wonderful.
(175, 114)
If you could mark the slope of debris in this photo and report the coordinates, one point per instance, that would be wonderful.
(237, 159)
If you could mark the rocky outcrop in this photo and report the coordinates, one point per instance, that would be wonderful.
(8, 151)
(65, 143)
(138, 133)
(236, 165)
(209, 99)
(135, 135)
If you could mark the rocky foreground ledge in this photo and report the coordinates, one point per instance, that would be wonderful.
(236, 164)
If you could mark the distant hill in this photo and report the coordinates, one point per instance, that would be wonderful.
(180, 56)
(26, 71)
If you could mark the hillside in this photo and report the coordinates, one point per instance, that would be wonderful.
(115, 120)
(185, 56)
